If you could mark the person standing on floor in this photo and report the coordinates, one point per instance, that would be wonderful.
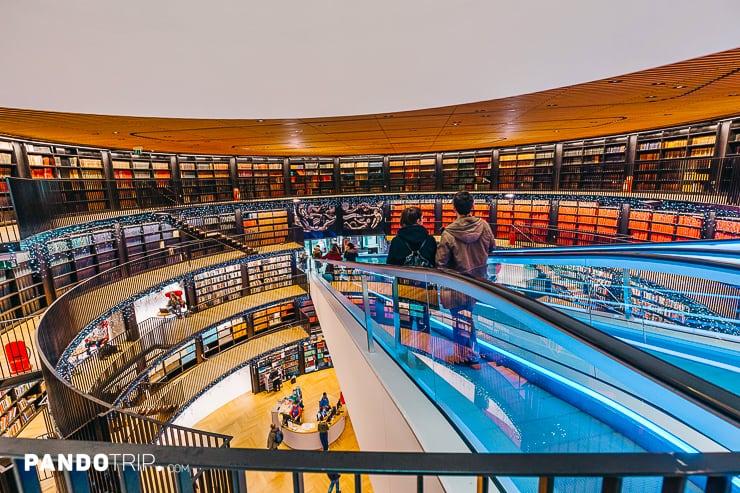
(464, 246)
(334, 478)
(323, 427)
(272, 440)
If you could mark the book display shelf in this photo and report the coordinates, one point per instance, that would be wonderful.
(286, 361)
(467, 171)
(316, 355)
(415, 173)
(526, 168)
(21, 290)
(308, 312)
(427, 213)
(18, 405)
(174, 364)
(218, 285)
(675, 160)
(361, 175)
(649, 225)
(224, 335)
(727, 228)
(532, 218)
(224, 222)
(481, 209)
(79, 256)
(132, 172)
(594, 164)
(265, 227)
(260, 177)
(311, 177)
(81, 171)
(578, 221)
(273, 316)
(205, 179)
(8, 167)
(144, 239)
(270, 273)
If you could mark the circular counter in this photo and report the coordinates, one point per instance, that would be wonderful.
(306, 436)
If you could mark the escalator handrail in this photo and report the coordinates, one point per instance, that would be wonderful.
(706, 394)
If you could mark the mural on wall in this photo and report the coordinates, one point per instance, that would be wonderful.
(316, 219)
(362, 217)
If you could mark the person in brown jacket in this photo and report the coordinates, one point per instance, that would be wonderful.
(464, 246)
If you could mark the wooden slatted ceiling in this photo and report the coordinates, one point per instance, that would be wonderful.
(694, 90)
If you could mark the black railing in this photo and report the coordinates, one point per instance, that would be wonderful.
(709, 472)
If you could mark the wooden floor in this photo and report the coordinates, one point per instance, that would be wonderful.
(247, 419)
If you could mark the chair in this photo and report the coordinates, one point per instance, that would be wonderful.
(18, 357)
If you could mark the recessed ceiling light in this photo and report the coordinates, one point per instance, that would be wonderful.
(512, 109)
(552, 104)
(260, 120)
(658, 84)
(650, 97)
(615, 81)
(455, 124)
(732, 95)
(678, 87)
(115, 132)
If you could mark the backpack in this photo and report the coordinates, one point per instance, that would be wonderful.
(279, 436)
(415, 259)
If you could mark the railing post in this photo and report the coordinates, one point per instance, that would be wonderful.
(239, 481)
(396, 315)
(297, 482)
(184, 482)
(419, 484)
(358, 483)
(611, 484)
(368, 318)
(718, 484)
(673, 485)
(26, 481)
(130, 480)
(482, 484)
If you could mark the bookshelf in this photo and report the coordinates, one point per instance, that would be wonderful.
(594, 164)
(286, 360)
(412, 173)
(466, 171)
(662, 226)
(675, 160)
(584, 223)
(269, 273)
(8, 167)
(361, 176)
(526, 168)
(260, 177)
(427, 213)
(481, 209)
(18, 405)
(273, 316)
(21, 289)
(311, 177)
(215, 285)
(132, 172)
(82, 188)
(143, 239)
(727, 228)
(265, 227)
(224, 335)
(205, 179)
(531, 216)
(174, 364)
(224, 222)
(315, 355)
(308, 312)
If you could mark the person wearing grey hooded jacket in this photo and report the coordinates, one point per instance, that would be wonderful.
(464, 246)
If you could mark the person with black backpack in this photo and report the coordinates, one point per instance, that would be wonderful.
(413, 246)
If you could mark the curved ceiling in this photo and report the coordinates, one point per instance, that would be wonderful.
(230, 77)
